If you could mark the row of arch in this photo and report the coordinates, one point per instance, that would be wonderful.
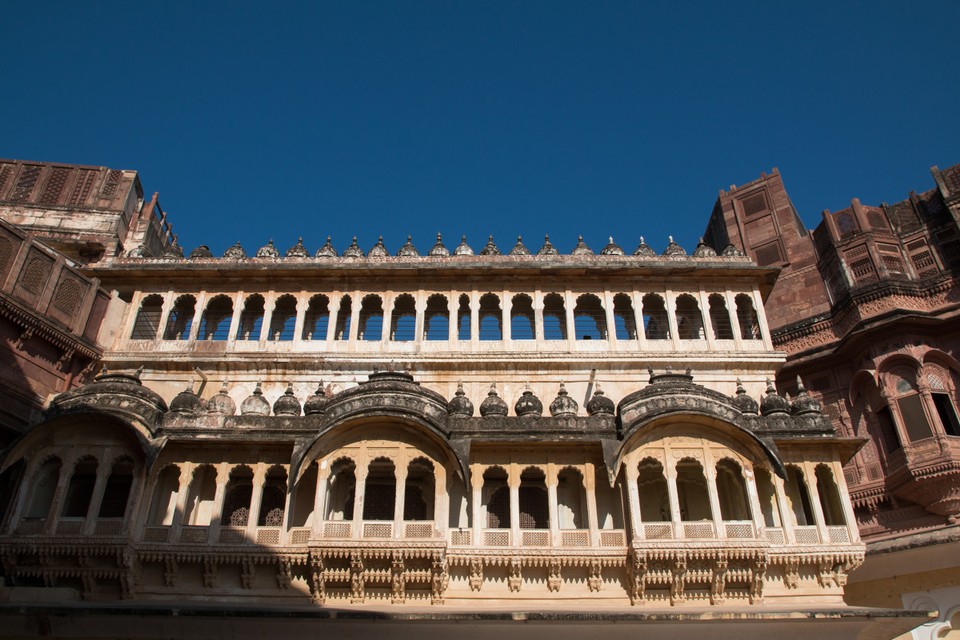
(323, 320)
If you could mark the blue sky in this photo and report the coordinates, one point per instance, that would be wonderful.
(256, 120)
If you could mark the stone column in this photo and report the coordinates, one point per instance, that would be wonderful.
(358, 496)
(609, 317)
(670, 300)
(734, 320)
(762, 319)
(674, 499)
(355, 304)
(569, 304)
(333, 308)
(633, 502)
(810, 479)
(710, 471)
(301, 313)
(216, 514)
(398, 499)
(66, 474)
(420, 308)
(168, 302)
(320, 500)
(476, 485)
(707, 320)
(474, 317)
(553, 507)
(388, 299)
(506, 306)
(453, 316)
(24, 492)
(590, 488)
(235, 318)
(96, 498)
(786, 515)
(183, 495)
(538, 318)
(256, 498)
(198, 311)
(133, 312)
(514, 484)
(638, 318)
(753, 496)
(441, 502)
(848, 514)
(269, 301)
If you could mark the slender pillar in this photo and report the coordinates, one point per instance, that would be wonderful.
(216, 515)
(168, 302)
(787, 520)
(198, 312)
(590, 487)
(474, 317)
(24, 492)
(705, 318)
(256, 498)
(538, 318)
(734, 320)
(359, 493)
(386, 329)
(183, 494)
(633, 503)
(506, 308)
(753, 496)
(355, 304)
(568, 306)
(441, 502)
(235, 318)
(609, 317)
(453, 316)
(514, 484)
(810, 479)
(269, 301)
(553, 507)
(333, 317)
(638, 318)
(320, 501)
(711, 475)
(66, 473)
(671, 305)
(674, 499)
(476, 486)
(301, 314)
(848, 514)
(96, 498)
(398, 500)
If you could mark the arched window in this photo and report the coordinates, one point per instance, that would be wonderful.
(692, 491)
(236, 498)
(689, 319)
(534, 505)
(796, 490)
(343, 319)
(491, 317)
(284, 319)
(732, 491)
(589, 318)
(116, 494)
(274, 497)
(200, 496)
(371, 318)
(656, 326)
(180, 318)
(44, 487)
(497, 498)
(720, 318)
(164, 503)
(829, 495)
(317, 318)
(554, 317)
(148, 319)
(380, 491)
(251, 318)
(652, 490)
(403, 320)
(747, 317)
(768, 499)
(215, 322)
(942, 388)
(436, 318)
(463, 318)
(418, 490)
(76, 502)
(304, 498)
(624, 317)
(571, 500)
(522, 318)
(342, 490)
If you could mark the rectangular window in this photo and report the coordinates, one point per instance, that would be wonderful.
(948, 415)
(888, 433)
(914, 418)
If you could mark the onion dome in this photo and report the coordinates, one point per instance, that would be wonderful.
(732, 250)
(490, 249)
(354, 250)
(438, 249)
(268, 251)
(743, 402)
(463, 249)
(547, 249)
(563, 405)
(460, 404)
(187, 402)
(704, 250)
(644, 250)
(804, 403)
(203, 251)
(326, 251)
(255, 404)
(408, 250)
(772, 402)
(519, 249)
(612, 249)
(378, 250)
(493, 405)
(581, 249)
(298, 250)
(317, 402)
(287, 404)
(235, 252)
(528, 405)
(673, 249)
(222, 404)
(174, 250)
(600, 403)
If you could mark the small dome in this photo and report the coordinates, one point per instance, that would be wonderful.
(222, 404)
(547, 249)
(673, 249)
(203, 251)
(772, 402)
(298, 250)
(378, 250)
(460, 404)
(612, 249)
(287, 404)
(317, 402)
(581, 249)
(463, 249)
(519, 249)
(438, 249)
(704, 250)
(644, 250)
(600, 403)
(268, 251)
(354, 250)
(174, 250)
(743, 402)
(493, 405)
(528, 405)
(563, 405)
(732, 250)
(187, 402)
(255, 404)
(408, 250)
(235, 252)
(804, 403)
(490, 249)
(326, 251)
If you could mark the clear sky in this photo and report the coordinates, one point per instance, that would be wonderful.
(259, 120)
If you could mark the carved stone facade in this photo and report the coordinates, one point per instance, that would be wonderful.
(454, 431)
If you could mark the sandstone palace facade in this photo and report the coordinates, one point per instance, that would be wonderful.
(758, 435)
